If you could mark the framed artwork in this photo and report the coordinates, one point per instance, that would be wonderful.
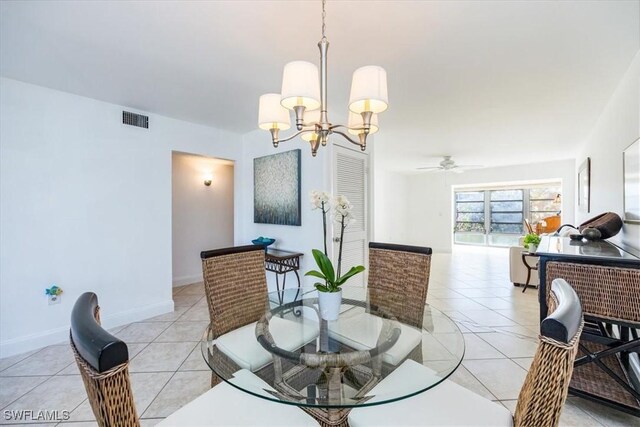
(631, 173)
(584, 186)
(276, 189)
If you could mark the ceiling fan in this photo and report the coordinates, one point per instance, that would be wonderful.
(449, 165)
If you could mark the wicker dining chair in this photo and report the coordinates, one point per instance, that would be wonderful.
(234, 275)
(103, 361)
(397, 288)
(546, 386)
(235, 285)
(541, 397)
(399, 280)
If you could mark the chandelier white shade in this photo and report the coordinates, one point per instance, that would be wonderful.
(369, 90)
(304, 90)
(271, 114)
(356, 124)
(300, 86)
(311, 117)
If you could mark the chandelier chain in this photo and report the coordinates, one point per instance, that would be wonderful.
(324, 15)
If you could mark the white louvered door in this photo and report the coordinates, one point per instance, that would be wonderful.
(350, 178)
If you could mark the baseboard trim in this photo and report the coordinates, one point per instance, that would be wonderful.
(187, 280)
(61, 335)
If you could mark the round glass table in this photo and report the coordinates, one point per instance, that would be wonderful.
(378, 351)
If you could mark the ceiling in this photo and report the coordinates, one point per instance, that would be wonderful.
(488, 82)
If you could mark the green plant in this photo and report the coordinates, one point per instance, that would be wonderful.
(327, 273)
(531, 238)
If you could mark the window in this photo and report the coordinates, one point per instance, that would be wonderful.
(495, 216)
(507, 211)
(543, 202)
(470, 211)
(470, 225)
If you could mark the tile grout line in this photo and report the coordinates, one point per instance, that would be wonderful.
(477, 379)
(25, 393)
(168, 381)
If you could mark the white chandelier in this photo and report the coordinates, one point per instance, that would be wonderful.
(306, 94)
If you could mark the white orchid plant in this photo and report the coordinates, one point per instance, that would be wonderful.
(343, 214)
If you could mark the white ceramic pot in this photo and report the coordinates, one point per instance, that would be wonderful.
(329, 303)
(533, 248)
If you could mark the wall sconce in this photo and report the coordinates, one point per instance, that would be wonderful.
(207, 179)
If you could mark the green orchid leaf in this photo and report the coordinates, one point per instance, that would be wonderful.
(325, 265)
(352, 272)
(321, 287)
(315, 273)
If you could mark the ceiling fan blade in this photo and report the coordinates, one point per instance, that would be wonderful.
(429, 168)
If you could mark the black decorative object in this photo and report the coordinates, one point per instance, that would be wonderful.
(592, 234)
(608, 224)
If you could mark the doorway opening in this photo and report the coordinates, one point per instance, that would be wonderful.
(202, 210)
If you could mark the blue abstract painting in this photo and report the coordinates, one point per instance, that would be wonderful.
(276, 189)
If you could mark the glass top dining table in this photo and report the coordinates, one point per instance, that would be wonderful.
(350, 362)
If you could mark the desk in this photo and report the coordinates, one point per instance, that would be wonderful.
(606, 277)
(327, 377)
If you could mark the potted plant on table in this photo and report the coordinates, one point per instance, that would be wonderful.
(329, 290)
(531, 242)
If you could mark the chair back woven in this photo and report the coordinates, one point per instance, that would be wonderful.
(103, 361)
(398, 280)
(235, 284)
(547, 383)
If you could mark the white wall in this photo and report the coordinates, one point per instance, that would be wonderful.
(391, 197)
(617, 127)
(315, 175)
(202, 217)
(430, 206)
(86, 204)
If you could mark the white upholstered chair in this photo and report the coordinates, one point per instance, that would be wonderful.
(448, 404)
(225, 405)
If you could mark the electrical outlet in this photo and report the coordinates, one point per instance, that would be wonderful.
(54, 299)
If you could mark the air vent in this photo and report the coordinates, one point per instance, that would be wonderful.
(134, 119)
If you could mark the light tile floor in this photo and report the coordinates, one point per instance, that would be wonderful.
(471, 285)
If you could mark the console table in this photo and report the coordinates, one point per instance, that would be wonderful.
(606, 277)
(282, 262)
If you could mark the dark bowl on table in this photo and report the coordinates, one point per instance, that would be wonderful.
(264, 241)
(575, 236)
